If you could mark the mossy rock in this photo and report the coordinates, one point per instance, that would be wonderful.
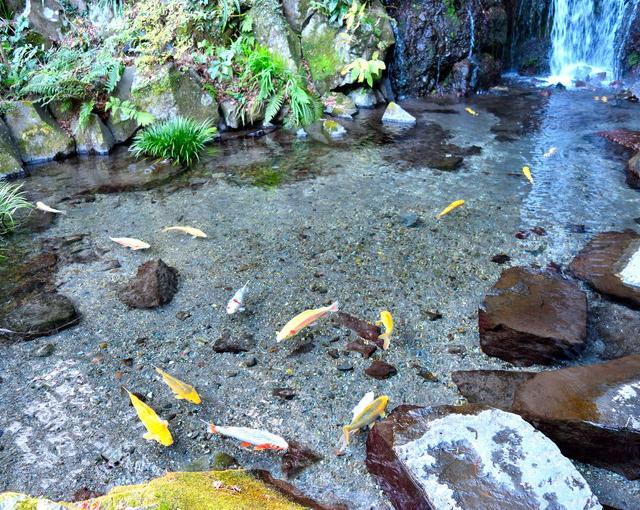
(271, 29)
(210, 490)
(297, 12)
(36, 134)
(94, 138)
(339, 105)
(328, 49)
(9, 158)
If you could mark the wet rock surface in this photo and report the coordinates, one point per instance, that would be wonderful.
(494, 388)
(633, 171)
(471, 457)
(381, 370)
(297, 458)
(533, 317)
(610, 263)
(619, 329)
(154, 285)
(41, 315)
(591, 412)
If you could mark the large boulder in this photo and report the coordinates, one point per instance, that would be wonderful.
(271, 29)
(471, 457)
(121, 127)
(94, 138)
(610, 263)
(46, 17)
(533, 317)
(204, 490)
(297, 12)
(328, 49)
(592, 412)
(9, 157)
(36, 134)
(154, 285)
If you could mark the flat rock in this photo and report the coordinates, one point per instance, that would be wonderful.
(395, 114)
(363, 347)
(533, 317)
(297, 458)
(610, 263)
(360, 327)
(592, 412)
(495, 388)
(41, 315)
(234, 345)
(154, 285)
(333, 129)
(619, 329)
(471, 457)
(381, 370)
(339, 105)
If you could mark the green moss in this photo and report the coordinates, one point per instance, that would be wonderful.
(321, 55)
(211, 490)
(264, 176)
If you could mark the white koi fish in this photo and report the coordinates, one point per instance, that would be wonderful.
(44, 207)
(258, 438)
(304, 319)
(236, 303)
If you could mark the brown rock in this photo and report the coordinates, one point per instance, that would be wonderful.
(471, 457)
(602, 261)
(592, 412)
(41, 315)
(633, 171)
(234, 345)
(533, 317)
(363, 347)
(154, 285)
(619, 329)
(381, 370)
(628, 139)
(494, 388)
(297, 458)
(361, 327)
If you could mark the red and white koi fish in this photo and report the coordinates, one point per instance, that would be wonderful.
(258, 438)
(304, 319)
(236, 303)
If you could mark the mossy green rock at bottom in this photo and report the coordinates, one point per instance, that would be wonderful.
(339, 105)
(398, 115)
(9, 158)
(328, 49)
(36, 134)
(210, 490)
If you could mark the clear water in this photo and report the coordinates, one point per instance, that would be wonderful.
(586, 36)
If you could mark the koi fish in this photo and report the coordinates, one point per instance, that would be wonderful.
(44, 207)
(471, 111)
(157, 428)
(236, 303)
(449, 208)
(596, 98)
(365, 413)
(550, 152)
(181, 390)
(193, 232)
(258, 438)
(386, 320)
(527, 173)
(361, 327)
(130, 242)
(304, 319)
(604, 99)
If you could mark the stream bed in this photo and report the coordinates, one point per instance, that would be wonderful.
(305, 222)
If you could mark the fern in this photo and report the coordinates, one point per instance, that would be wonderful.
(274, 106)
(84, 116)
(126, 110)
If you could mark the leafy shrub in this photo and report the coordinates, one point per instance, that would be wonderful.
(11, 200)
(180, 140)
(335, 10)
(19, 53)
(365, 70)
(126, 110)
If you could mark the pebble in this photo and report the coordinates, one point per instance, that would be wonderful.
(284, 393)
(345, 367)
(501, 258)
(333, 353)
(410, 220)
(251, 362)
(381, 370)
(44, 351)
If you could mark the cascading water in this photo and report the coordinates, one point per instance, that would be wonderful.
(586, 37)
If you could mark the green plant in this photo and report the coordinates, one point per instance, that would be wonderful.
(180, 140)
(19, 55)
(365, 70)
(11, 200)
(451, 9)
(335, 10)
(126, 110)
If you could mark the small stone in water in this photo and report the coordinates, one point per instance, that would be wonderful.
(427, 375)
(44, 351)
(381, 370)
(333, 353)
(433, 316)
(345, 367)
(183, 315)
(457, 349)
(284, 393)
(364, 348)
(251, 362)
(410, 220)
(501, 258)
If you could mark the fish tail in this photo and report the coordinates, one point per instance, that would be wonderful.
(334, 307)
(347, 434)
(212, 428)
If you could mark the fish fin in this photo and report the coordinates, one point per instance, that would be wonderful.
(334, 307)
(244, 444)
(346, 431)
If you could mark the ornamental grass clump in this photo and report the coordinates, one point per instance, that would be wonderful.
(180, 140)
(11, 200)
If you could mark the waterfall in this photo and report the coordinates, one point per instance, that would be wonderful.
(587, 36)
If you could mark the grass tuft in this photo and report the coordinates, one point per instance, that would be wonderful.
(180, 140)
(11, 200)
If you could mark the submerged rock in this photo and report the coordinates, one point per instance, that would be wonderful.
(37, 135)
(235, 345)
(471, 457)
(361, 346)
(533, 317)
(610, 263)
(494, 388)
(381, 370)
(363, 97)
(154, 285)
(41, 315)
(339, 105)
(619, 329)
(297, 458)
(208, 490)
(396, 114)
(592, 412)
(633, 171)
(333, 129)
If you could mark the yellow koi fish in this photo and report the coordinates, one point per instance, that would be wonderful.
(471, 111)
(181, 390)
(157, 428)
(365, 413)
(527, 173)
(604, 99)
(596, 98)
(449, 208)
(550, 152)
(386, 320)
(193, 232)
(304, 319)
(130, 242)
(44, 207)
